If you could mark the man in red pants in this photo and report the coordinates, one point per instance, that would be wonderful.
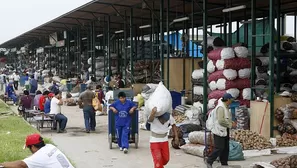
(159, 137)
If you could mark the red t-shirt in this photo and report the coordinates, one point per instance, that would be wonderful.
(42, 102)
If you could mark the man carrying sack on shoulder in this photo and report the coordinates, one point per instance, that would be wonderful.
(219, 122)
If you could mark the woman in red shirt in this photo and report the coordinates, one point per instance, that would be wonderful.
(42, 100)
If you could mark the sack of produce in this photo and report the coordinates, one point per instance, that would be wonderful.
(235, 151)
(261, 81)
(244, 103)
(223, 84)
(193, 149)
(99, 65)
(187, 128)
(161, 98)
(241, 51)
(242, 118)
(212, 103)
(250, 140)
(211, 66)
(212, 85)
(234, 63)
(198, 90)
(262, 61)
(221, 54)
(193, 115)
(198, 137)
(279, 114)
(228, 74)
(289, 161)
(290, 111)
(246, 94)
(244, 73)
(198, 98)
(286, 128)
(217, 94)
(197, 74)
(286, 140)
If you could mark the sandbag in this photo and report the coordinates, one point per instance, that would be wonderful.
(246, 94)
(161, 98)
(217, 94)
(193, 149)
(235, 151)
(241, 51)
(211, 66)
(198, 137)
(221, 54)
(198, 90)
(234, 63)
(228, 74)
(197, 74)
(223, 84)
(213, 85)
(212, 103)
(244, 73)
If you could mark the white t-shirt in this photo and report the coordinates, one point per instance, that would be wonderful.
(48, 157)
(109, 95)
(55, 107)
(159, 128)
(16, 77)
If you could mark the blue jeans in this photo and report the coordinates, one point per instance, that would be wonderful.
(62, 120)
(123, 135)
(89, 117)
(13, 97)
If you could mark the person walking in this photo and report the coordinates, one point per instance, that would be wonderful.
(16, 79)
(85, 102)
(55, 109)
(219, 123)
(33, 85)
(43, 155)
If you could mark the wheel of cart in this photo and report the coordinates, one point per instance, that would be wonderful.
(134, 130)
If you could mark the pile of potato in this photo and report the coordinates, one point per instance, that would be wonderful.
(250, 140)
(287, 162)
(286, 140)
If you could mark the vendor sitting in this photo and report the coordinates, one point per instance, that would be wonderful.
(11, 93)
(123, 110)
(47, 105)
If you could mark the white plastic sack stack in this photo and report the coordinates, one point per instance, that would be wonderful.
(197, 73)
(230, 74)
(161, 98)
(212, 86)
(234, 92)
(198, 90)
(241, 52)
(244, 73)
(227, 53)
(246, 94)
(193, 115)
(211, 103)
(210, 67)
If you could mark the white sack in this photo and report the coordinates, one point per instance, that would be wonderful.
(193, 115)
(198, 105)
(220, 64)
(198, 137)
(264, 60)
(210, 67)
(90, 61)
(212, 86)
(227, 53)
(193, 149)
(198, 90)
(75, 94)
(197, 74)
(161, 98)
(211, 103)
(99, 65)
(90, 69)
(234, 92)
(241, 52)
(246, 94)
(221, 84)
(244, 73)
(230, 74)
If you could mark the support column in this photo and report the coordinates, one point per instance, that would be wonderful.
(162, 38)
(131, 44)
(168, 47)
(125, 47)
(68, 53)
(108, 46)
(205, 85)
(253, 66)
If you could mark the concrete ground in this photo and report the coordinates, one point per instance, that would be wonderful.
(92, 150)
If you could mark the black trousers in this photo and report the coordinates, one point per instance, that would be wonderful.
(221, 149)
(16, 84)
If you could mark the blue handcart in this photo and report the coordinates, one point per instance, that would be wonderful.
(134, 129)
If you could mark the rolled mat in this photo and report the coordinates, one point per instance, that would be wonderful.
(234, 63)
(223, 84)
(228, 74)
(221, 54)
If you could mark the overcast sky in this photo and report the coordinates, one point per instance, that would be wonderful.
(19, 16)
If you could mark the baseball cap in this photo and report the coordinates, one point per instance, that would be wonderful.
(165, 116)
(33, 139)
(51, 95)
(227, 96)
